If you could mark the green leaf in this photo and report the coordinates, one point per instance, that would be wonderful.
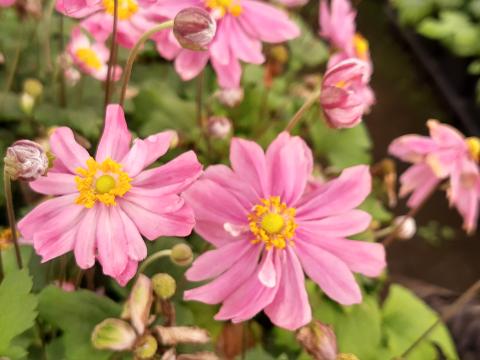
(18, 309)
(77, 313)
(405, 319)
(412, 11)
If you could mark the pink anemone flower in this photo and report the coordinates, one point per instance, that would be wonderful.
(133, 18)
(445, 154)
(103, 205)
(268, 228)
(6, 3)
(242, 25)
(90, 58)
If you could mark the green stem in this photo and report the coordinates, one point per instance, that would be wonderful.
(468, 295)
(312, 99)
(134, 52)
(111, 60)
(11, 216)
(153, 258)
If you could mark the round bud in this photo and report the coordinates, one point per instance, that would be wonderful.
(33, 87)
(182, 254)
(146, 347)
(27, 102)
(164, 286)
(219, 127)
(406, 227)
(230, 97)
(194, 28)
(26, 160)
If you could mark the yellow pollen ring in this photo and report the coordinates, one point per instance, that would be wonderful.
(126, 8)
(473, 144)
(272, 223)
(89, 58)
(361, 46)
(225, 6)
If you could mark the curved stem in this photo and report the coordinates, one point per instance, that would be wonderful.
(111, 60)
(11, 216)
(134, 52)
(468, 295)
(153, 258)
(299, 114)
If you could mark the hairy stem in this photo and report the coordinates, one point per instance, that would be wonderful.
(312, 99)
(134, 52)
(11, 216)
(153, 258)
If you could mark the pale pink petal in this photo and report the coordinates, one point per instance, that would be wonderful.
(420, 180)
(64, 147)
(445, 135)
(329, 272)
(160, 204)
(85, 239)
(290, 308)
(55, 183)
(267, 273)
(115, 140)
(128, 273)
(220, 46)
(345, 224)
(214, 232)
(229, 75)
(246, 48)
(412, 148)
(136, 248)
(77, 8)
(188, 63)
(99, 25)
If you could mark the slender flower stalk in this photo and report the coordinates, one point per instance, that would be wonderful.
(134, 52)
(111, 61)
(153, 258)
(468, 295)
(11, 216)
(299, 114)
(62, 99)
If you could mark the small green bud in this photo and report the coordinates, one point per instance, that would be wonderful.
(346, 357)
(182, 255)
(164, 286)
(113, 334)
(146, 347)
(27, 102)
(33, 87)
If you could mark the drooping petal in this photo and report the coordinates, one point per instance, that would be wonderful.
(229, 75)
(188, 63)
(342, 225)
(136, 248)
(128, 273)
(55, 183)
(64, 147)
(329, 272)
(85, 240)
(412, 148)
(115, 140)
(445, 135)
(420, 180)
(290, 308)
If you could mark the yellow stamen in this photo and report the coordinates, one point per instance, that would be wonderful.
(89, 58)
(361, 46)
(101, 182)
(222, 7)
(272, 223)
(126, 8)
(6, 239)
(473, 144)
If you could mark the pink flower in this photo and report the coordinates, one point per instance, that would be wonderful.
(267, 230)
(446, 154)
(134, 18)
(343, 93)
(6, 3)
(92, 59)
(103, 205)
(242, 25)
(337, 23)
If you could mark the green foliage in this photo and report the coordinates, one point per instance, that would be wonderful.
(76, 314)
(17, 310)
(412, 11)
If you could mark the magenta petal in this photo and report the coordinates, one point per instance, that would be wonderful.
(329, 272)
(85, 241)
(345, 224)
(65, 148)
(220, 288)
(338, 195)
(115, 140)
(214, 262)
(290, 309)
(55, 183)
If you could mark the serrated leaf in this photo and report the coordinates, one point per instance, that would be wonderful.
(17, 308)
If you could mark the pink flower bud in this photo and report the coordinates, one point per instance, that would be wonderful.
(343, 93)
(318, 340)
(219, 127)
(26, 160)
(230, 97)
(194, 28)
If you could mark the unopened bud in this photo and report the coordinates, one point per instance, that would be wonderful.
(33, 87)
(146, 347)
(405, 227)
(194, 28)
(27, 102)
(219, 127)
(318, 340)
(26, 160)
(164, 286)
(182, 255)
(346, 357)
(230, 97)
(175, 140)
(173, 335)
(279, 53)
(72, 76)
(113, 334)
(2, 59)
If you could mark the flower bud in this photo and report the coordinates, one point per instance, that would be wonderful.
(405, 227)
(146, 347)
(173, 335)
(279, 53)
(182, 255)
(343, 96)
(194, 28)
(72, 76)
(113, 334)
(164, 286)
(175, 140)
(26, 160)
(230, 97)
(140, 302)
(219, 127)
(318, 340)
(346, 357)
(27, 102)
(33, 87)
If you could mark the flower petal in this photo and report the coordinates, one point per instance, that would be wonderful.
(115, 139)
(346, 224)
(188, 63)
(85, 240)
(412, 148)
(65, 148)
(55, 183)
